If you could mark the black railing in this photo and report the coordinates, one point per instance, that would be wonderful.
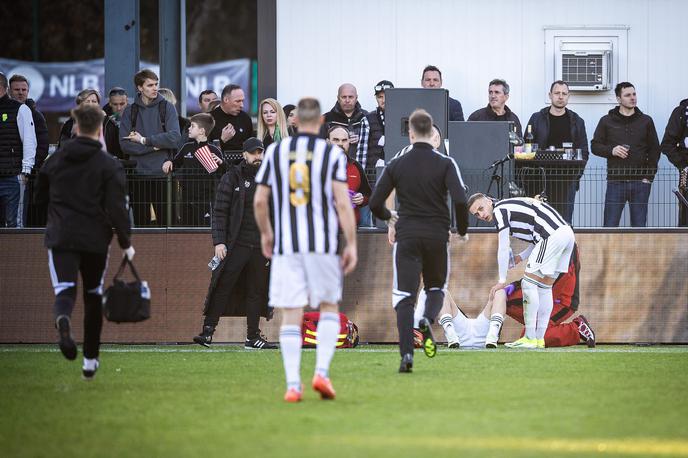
(186, 197)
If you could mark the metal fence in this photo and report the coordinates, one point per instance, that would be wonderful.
(186, 198)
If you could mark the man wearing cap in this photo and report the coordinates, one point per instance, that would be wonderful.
(371, 145)
(239, 284)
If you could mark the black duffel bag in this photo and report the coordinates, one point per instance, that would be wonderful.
(127, 302)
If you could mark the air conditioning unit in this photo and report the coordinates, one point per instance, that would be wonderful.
(585, 65)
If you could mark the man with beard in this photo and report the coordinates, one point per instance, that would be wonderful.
(239, 284)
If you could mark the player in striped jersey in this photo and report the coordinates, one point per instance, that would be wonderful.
(303, 183)
(551, 244)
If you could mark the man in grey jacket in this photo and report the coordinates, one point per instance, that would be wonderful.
(149, 134)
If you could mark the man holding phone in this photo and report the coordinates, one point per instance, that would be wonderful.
(628, 139)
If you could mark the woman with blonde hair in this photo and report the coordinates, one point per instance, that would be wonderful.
(67, 132)
(272, 124)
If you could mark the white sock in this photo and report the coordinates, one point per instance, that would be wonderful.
(448, 326)
(328, 328)
(531, 304)
(290, 346)
(496, 321)
(544, 312)
(90, 364)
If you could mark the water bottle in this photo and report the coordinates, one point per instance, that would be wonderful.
(145, 290)
(212, 265)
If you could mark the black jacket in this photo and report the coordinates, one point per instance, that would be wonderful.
(336, 117)
(422, 178)
(42, 138)
(85, 190)
(243, 126)
(540, 122)
(638, 131)
(230, 200)
(487, 114)
(455, 110)
(11, 146)
(674, 141)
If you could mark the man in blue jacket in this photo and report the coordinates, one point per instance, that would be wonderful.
(556, 125)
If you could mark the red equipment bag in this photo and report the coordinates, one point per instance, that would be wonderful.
(348, 331)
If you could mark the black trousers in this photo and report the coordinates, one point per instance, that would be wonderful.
(148, 200)
(252, 261)
(64, 271)
(413, 258)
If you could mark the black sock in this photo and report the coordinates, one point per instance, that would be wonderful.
(404, 311)
(433, 304)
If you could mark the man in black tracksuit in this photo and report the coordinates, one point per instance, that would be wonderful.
(239, 284)
(675, 146)
(85, 190)
(422, 177)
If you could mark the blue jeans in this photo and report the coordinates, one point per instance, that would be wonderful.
(366, 217)
(636, 193)
(9, 200)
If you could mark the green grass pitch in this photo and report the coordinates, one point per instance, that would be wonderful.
(178, 401)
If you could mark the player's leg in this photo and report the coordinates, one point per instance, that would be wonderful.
(406, 278)
(324, 276)
(435, 258)
(289, 292)
(494, 312)
(64, 269)
(446, 319)
(93, 267)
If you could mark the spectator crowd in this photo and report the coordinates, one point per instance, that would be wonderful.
(154, 143)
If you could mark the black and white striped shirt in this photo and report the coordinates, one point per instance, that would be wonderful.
(299, 171)
(527, 218)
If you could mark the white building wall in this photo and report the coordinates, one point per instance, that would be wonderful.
(322, 44)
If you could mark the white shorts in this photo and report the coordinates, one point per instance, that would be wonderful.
(297, 280)
(472, 332)
(551, 256)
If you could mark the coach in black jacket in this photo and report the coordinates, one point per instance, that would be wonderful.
(239, 284)
(84, 188)
(422, 178)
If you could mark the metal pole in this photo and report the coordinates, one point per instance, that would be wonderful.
(172, 18)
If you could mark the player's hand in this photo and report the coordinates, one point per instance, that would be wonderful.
(496, 288)
(227, 133)
(357, 198)
(24, 178)
(394, 218)
(167, 167)
(517, 259)
(221, 251)
(462, 238)
(391, 234)
(349, 259)
(620, 151)
(130, 252)
(266, 244)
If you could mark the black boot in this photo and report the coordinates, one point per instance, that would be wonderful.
(205, 338)
(406, 363)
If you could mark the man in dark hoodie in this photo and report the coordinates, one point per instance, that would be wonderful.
(149, 134)
(675, 146)
(84, 188)
(346, 112)
(628, 139)
(33, 215)
(555, 125)
(496, 109)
